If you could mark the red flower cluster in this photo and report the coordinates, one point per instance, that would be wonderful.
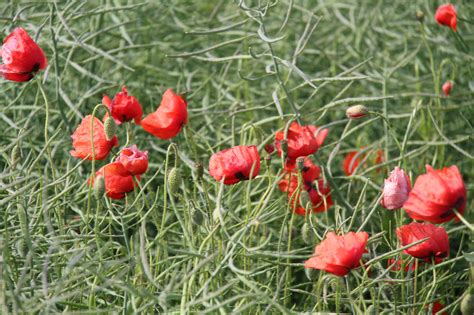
(319, 192)
(302, 140)
(339, 254)
(22, 57)
(235, 164)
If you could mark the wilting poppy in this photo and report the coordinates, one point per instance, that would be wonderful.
(124, 107)
(435, 195)
(134, 160)
(22, 58)
(319, 192)
(353, 158)
(446, 15)
(302, 140)
(435, 247)
(118, 180)
(339, 254)
(235, 164)
(447, 87)
(167, 121)
(81, 140)
(395, 190)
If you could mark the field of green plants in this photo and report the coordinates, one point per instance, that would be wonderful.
(236, 157)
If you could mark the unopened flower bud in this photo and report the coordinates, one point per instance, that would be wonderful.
(447, 87)
(174, 180)
(21, 248)
(307, 234)
(269, 148)
(467, 303)
(396, 189)
(197, 216)
(356, 111)
(300, 163)
(305, 199)
(110, 128)
(420, 16)
(199, 170)
(99, 186)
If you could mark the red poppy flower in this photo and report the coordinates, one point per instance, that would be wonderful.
(436, 246)
(446, 15)
(269, 148)
(81, 140)
(352, 160)
(235, 164)
(339, 254)
(447, 87)
(319, 192)
(167, 121)
(302, 140)
(437, 306)
(395, 190)
(118, 180)
(123, 107)
(435, 195)
(22, 57)
(134, 160)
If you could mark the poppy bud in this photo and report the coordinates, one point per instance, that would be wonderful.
(467, 303)
(21, 248)
(109, 127)
(199, 170)
(16, 154)
(447, 87)
(356, 111)
(197, 216)
(420, 16)
(307, 234)
(304, 198)
(300, 163)
(174, 179)
(269, 148)
(99, 187)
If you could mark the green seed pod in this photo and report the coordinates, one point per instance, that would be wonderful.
(99, 187)
(199, 170)
(197, 216)
(21, 248)
(307, 234)
(110, 128)
(467, 303)
(305, 199)
(174, 180)
(15, 154)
